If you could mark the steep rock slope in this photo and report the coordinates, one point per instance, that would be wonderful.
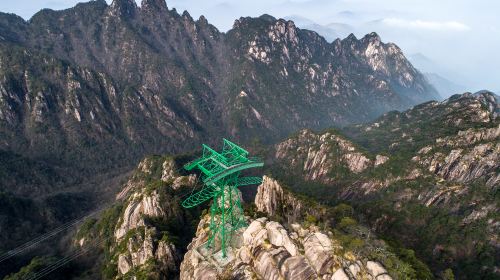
(88, 91)
(432, 186)
(144, 73)
(74, 116)
(317, 155)
(147, 230)
(469, 155)
(92, 89)
(273, 200)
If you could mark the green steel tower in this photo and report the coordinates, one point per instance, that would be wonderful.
(221, 179)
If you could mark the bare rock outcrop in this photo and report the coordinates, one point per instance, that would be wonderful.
(380, 159)
(318, 154)
(273, 199)
(170, 175)
(139, 244)
(470, 155)
(143, 247)
(266, 250)
(138, 206)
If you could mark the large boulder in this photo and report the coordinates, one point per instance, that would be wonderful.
(319, 251)
(267, 251)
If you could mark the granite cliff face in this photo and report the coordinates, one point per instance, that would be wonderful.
(148, 79)
(316, 155)
(469, 155)
(409, 169)
(143, 248)
(273, 200)
(147, 230)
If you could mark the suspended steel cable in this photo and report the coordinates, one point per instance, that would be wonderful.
(63, 261)
(30, 244)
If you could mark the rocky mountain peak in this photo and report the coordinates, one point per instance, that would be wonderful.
(98, 2)
(154, 6)
(187, 16)
(263, 22)
(490, 100)
(268, 18)
(371, 37)
(202, 20)
(123, 8)
(481, 106)
(317, 154)
(350, 38)
(266, 250)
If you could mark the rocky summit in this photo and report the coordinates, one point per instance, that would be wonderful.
(265, 250)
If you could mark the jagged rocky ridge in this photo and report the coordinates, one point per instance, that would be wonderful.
(90, 90)
(97, 76)
(422, 176)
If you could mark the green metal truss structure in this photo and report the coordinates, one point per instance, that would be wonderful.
(220, 173)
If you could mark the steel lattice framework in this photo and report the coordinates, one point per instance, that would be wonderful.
(221, 179)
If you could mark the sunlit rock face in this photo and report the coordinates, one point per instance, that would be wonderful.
(265, 250)
(145, 232)
(120, 75)
(438, 157)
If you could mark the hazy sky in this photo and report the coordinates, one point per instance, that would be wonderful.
(461, 38)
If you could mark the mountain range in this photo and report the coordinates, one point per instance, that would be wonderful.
(442, 79)
(86, 93)
(426, 178)
(401, 197)
(90, 90)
